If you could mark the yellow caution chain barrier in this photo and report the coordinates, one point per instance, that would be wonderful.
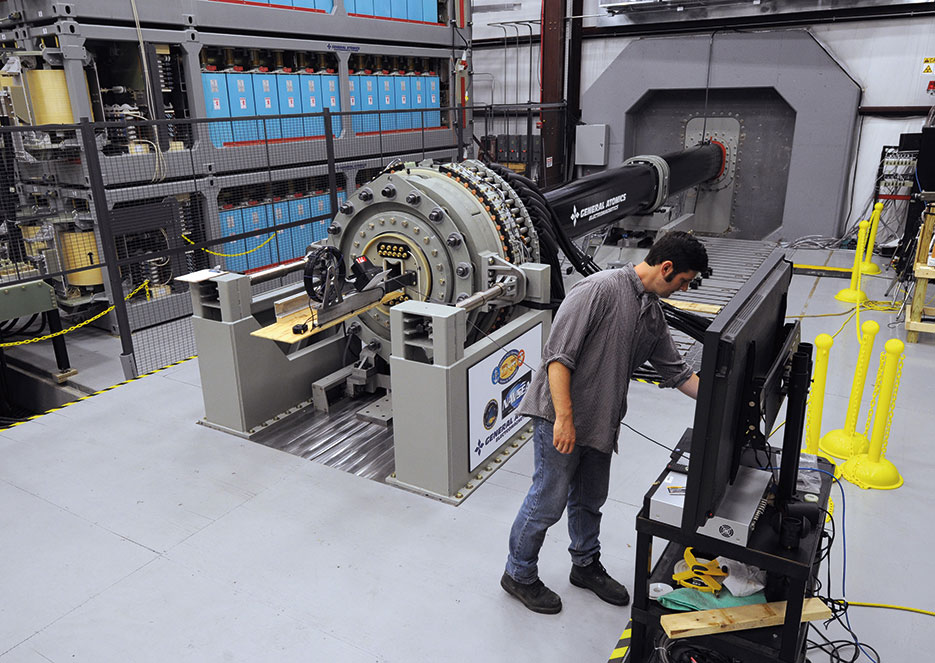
(233, 255)
(73, 328)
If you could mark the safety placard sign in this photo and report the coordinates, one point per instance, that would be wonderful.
(928, 66)
(496, 387)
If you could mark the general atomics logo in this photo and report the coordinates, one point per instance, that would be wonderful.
(490, 414)
(508, 366)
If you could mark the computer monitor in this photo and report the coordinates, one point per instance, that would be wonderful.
(746, 348)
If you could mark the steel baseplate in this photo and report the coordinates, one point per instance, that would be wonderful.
(253, 432)
(496, 460)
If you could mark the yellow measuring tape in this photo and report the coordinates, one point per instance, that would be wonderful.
(80, 324)
(233, 255)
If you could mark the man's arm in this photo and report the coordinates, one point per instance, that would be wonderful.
(563, 431)
(690, 386)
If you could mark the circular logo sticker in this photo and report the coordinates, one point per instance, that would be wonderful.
(490, 414)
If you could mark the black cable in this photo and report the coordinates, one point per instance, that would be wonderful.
(670, 449)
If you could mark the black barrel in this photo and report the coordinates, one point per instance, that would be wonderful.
(593, 202)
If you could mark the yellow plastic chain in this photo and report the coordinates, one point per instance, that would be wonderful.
(73, 328)
(233, 255)
(889, 419)
(873, 398)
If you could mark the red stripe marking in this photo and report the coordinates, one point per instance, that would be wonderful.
(892, 197)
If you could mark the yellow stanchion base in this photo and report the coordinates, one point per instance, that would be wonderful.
(866, 473)
(869, 268)
(840, 444)
(851, 296)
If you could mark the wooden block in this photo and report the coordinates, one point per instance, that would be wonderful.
(694, 307)
(741, 618)
(281, 330)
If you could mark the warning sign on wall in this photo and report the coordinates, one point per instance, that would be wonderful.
(928, 66)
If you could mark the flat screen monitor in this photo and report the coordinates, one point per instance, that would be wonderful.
(742, 348)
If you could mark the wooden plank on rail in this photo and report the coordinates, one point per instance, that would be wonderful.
(694, 307)
(741, 618)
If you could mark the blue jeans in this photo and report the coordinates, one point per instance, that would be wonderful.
(579, 480)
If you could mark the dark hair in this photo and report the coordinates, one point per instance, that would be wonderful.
(683, 249)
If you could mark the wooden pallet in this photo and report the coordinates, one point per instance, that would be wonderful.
(923, 274)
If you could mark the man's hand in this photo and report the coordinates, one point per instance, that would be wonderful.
(563, 434)
(563, 431)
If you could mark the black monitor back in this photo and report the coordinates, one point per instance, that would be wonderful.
(740, 346)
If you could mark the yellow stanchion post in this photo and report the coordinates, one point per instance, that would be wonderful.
(872, 470)
(853, 294)
(846, 442)
(867, 266)
(816, 401)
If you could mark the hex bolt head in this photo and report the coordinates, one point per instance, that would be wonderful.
(365, 194)
(334, 229)
(413, 198)
(346, 208)
(463, 270)
(389, 191)
(436, 215)
(454, 240)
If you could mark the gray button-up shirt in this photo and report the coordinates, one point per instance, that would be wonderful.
(606, 328)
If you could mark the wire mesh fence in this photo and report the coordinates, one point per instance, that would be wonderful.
(110, 214)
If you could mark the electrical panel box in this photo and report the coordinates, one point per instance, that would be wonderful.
(433, 100)
(266, 96)
(403, 100)
(387, 101)
(232, 224)
(217, 105)
(310, 85)
(240, 94)
(290, 103)
(331, 99)
(592, 142)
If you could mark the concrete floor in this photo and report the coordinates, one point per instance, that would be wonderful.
(129, 533)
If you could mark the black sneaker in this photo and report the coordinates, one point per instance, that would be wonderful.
(595, 577)
(535, 596)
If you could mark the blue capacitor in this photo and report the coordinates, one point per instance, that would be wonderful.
(331, 99)
(430, 11)
(324, 5)
(290, 103)
(363, 7)
(403, 100)
(321, 206)
(311, 103)
(369, 95)
(305, 4)
(417, 87)
(240, 94)
(281, 246)
(217, 105)
(433, 100)
(399, 8)
(299, 209)
(266, 96)
(387, 102)
(414, 10)
(255, 217)
(383, 8)
(232, 224)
